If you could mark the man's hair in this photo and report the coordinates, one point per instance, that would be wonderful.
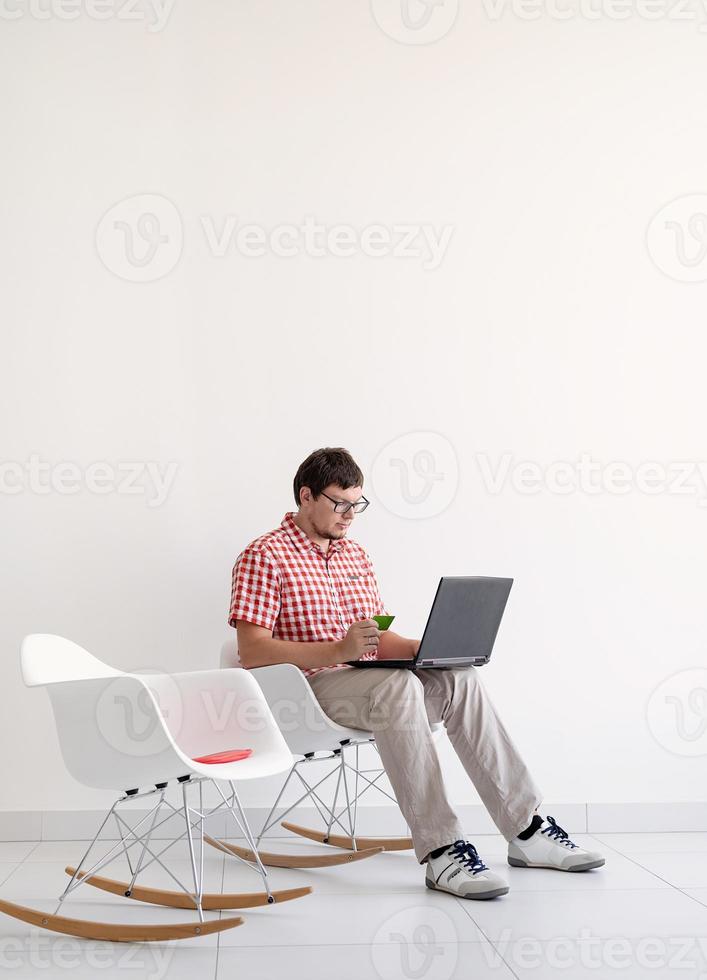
(325, 466)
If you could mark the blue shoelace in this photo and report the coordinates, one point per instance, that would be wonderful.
(555, 832)
(468, 856)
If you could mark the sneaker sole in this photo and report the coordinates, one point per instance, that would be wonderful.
(479, 897)
(517, 863)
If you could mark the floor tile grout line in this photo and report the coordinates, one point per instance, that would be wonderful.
(638, 864)
(467, 912)
(653, 850)
(7, 877)
(647, 833)
(703, 904)
(27, 855)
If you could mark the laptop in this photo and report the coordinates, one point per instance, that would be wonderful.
(462, 626)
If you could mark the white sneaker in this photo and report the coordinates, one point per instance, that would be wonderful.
(460, 871)
(550, 847)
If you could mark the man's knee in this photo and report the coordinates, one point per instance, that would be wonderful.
(465, 679)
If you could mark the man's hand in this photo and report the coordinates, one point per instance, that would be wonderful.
(362, 637)
(392, 646)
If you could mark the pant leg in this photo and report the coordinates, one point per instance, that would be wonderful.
(457, 697)
(390, 703)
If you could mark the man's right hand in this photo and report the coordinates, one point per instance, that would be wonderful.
(361, 637)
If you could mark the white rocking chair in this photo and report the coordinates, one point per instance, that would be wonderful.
(94, 707)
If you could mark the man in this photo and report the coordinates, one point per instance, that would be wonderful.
(304, 594)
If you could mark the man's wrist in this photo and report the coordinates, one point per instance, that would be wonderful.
(338, 653)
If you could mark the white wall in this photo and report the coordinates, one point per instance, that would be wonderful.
(546, 332)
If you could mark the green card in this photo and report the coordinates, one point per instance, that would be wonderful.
(383, 621)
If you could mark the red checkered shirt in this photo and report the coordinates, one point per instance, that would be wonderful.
(284, 582)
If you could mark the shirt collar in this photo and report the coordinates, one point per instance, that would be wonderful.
(305, 543)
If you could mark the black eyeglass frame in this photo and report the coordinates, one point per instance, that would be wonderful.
(343, 506)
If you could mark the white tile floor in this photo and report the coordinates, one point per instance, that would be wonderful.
(643, 915)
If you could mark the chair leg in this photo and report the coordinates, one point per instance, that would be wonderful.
(198, 879)
(350, 810)
(88, 850)
(145, 844)
(249, 837)
(352, 816)
(245, 831)
(80, 877)
(122, 932)
(270, 820)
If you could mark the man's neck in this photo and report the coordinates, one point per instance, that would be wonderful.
(303, 525)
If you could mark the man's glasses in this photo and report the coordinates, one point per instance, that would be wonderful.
(343, 506)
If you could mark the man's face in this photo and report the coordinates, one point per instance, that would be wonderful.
(320, 512)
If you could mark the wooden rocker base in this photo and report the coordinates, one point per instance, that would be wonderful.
(294, 860)
(211, 902)
(339, 840)
(118, 932)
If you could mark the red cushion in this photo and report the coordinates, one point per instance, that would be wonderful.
(230, 755)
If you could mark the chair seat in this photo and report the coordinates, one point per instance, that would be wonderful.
(229, 755)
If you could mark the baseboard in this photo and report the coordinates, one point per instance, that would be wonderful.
(604, 818)
(647, 818)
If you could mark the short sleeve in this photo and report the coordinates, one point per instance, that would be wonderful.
(255, 590)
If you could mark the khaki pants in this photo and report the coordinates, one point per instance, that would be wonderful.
(398, 706)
